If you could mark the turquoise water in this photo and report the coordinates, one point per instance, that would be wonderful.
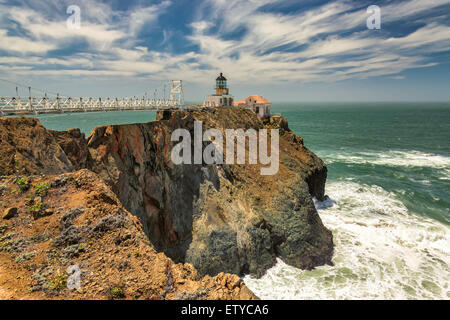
(405, 149)
(90, 120)
(389, 198)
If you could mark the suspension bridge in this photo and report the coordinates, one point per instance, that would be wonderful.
(49, 102)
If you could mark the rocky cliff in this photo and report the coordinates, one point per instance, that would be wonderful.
(219, 218)
(29, 148)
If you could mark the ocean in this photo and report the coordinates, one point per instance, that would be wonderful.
(389, 198)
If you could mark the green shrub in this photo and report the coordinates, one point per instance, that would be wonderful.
(37, 238)
(23, 184)
(117, 292)
(17, 164)
(36, 209)
(59, 281)
(7, 236)
(25, 257)
(41, 189)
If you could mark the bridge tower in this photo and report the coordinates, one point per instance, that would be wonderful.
(177, 94)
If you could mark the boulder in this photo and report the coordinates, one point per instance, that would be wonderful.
(10, 213)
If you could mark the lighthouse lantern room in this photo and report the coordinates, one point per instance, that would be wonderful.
(222, 98)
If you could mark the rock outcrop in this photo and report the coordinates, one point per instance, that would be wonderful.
(220, 218)
(74, 145)
(28, 148)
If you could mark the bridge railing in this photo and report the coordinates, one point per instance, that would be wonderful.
(81, 104)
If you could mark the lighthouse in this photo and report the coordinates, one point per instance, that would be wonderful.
(221, 85)
(222, 98)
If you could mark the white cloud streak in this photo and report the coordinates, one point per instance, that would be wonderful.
(325, 44)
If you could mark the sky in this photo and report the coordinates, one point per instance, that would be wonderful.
(286, 51)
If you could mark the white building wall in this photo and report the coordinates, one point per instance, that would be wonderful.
(261, 109)
(219, 101)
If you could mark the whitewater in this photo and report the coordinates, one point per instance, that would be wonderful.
(381, 252)
(388, 204)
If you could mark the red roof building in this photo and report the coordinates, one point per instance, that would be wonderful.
(258, 104)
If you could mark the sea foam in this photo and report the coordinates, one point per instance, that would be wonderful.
(382, 251)
(395, 159)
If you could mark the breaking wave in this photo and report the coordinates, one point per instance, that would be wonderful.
(395, 158)
(382, 251)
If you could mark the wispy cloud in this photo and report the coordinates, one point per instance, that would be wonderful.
(23, 45)
(332, 43)
(328, 43)
(141, 17)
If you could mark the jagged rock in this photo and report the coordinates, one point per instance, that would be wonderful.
(9, 213)
(280, 123)
(28, 148)
(69, 216)
(70, 236)
(74, 145)
(48, 212)
(217, 217)
(59, 182)
(107, 223)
